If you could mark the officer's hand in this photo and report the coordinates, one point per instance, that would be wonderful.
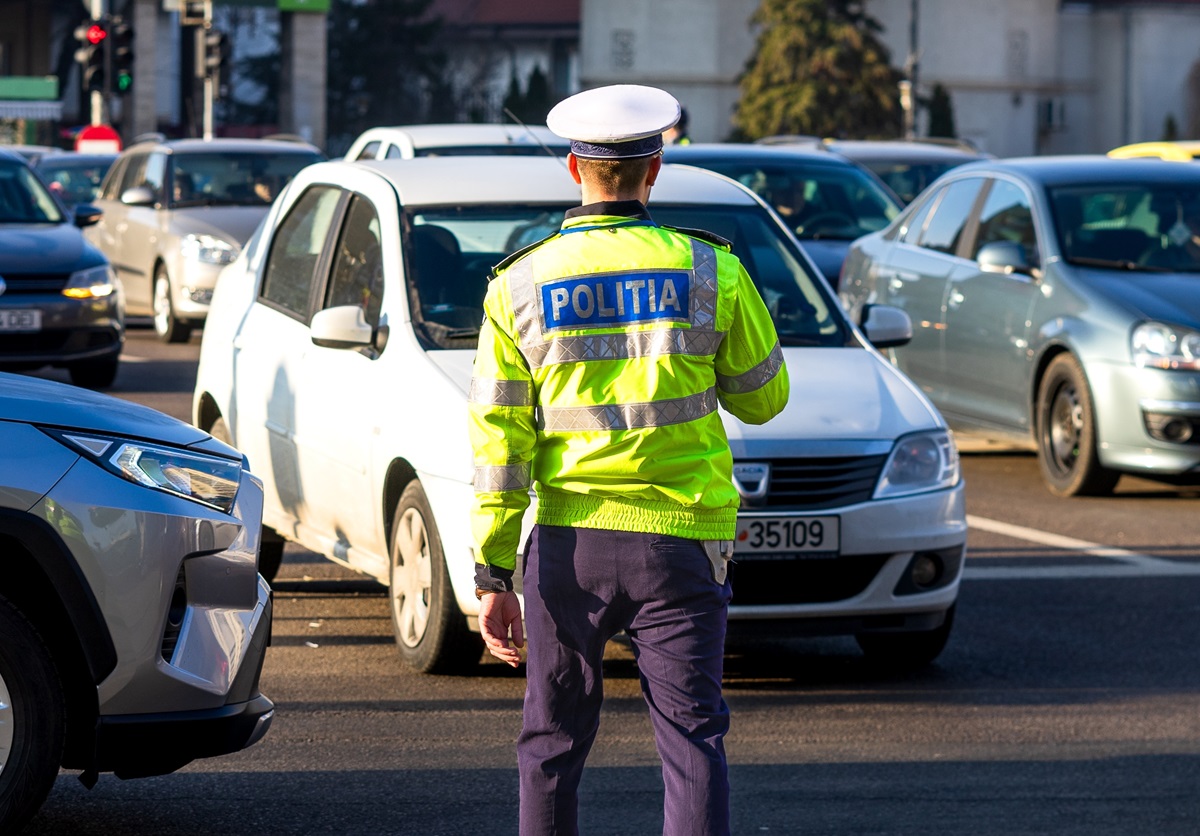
(498, 612)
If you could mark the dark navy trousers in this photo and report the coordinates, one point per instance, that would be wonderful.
(582, 587)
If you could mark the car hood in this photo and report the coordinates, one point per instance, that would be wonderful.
(49, 403)
(828, 256)
(1166, 297)
(45, 248)
(233, 223)
(842, 401)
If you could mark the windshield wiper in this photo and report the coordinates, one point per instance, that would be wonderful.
(796, 339)
(1115, 264)
(461, 333)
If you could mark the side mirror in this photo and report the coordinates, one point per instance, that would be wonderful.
(886, 326)
(1004, 257)
(85, 214)
(138, 196)
(341, 327)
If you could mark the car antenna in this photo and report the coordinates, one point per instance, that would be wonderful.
(536, 138)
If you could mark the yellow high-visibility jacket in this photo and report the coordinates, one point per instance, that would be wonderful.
(603, 355)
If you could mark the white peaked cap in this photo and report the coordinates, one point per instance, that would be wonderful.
(611, 122)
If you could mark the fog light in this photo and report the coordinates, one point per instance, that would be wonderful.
(201, 296)
(1172, 428)
(926, 569)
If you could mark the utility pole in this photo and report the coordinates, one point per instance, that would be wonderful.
(908, 86)
(198, 14)
(98, 98)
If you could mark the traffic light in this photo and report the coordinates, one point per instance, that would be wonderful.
(121, 36)
(216, 57)
(91, 35)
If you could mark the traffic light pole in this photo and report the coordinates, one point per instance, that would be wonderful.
(99, 98)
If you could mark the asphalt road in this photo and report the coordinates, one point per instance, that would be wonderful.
(1067, 701)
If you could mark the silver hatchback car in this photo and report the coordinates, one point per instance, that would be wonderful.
(133, 619)
(177, 211)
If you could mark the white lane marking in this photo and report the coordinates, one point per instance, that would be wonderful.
(1128, 564)
(133, 358)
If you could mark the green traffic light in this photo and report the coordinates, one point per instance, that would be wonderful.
(124, 82)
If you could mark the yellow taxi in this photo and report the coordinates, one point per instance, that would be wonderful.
(1184, 151)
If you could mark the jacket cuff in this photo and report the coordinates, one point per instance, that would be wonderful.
(493, 578)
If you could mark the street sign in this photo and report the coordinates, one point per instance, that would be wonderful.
(98, 139)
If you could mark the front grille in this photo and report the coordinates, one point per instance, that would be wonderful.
(28, 283)
(802, 581)
(817, 483)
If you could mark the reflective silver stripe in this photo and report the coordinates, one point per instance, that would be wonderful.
(698, 340)
(501, 392)
(630, 416)
(497, 478)
(756, 378)
(622, 346)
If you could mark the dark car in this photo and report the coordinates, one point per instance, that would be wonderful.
(60, 304)
(1055, 302)
(825, 200)
(906, 166)
(74, 178)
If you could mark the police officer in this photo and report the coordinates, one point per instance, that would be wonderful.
(603, 355)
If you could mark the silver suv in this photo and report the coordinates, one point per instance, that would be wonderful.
(177, 211)
(133, 619)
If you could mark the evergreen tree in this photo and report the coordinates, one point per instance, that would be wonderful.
(383, 66)
(941, 113)
(818, 68)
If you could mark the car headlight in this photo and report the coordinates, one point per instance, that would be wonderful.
(208, 248)
(209, 480)
(920, 462)
(92, 283)
(1159, 346)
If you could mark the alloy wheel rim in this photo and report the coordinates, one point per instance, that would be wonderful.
(162, 304)
(1066, 427)
(411, 585)
(7, 725)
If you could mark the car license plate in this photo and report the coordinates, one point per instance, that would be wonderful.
(786, 537)
(19, 320)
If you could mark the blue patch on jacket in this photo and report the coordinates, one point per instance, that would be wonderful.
(615, 299)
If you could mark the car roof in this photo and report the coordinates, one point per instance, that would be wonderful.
(881, 149)
(442, 181)
(1183, 150)
(6, 153)
(1084, 169)
(464, 133)
(752, 152)
(71, 158)
(225, 144)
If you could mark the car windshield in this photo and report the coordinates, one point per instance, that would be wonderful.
(23, 197)
(233, 178)
(817, 201)
(452, 251)
(74, 179)
(908, 180)
(1152, 227)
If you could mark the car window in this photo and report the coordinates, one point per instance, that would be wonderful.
(133, 174)
(1007, 216)
(111, 190)
(233, 178)
(369, 151)
(910, 231)
(155, 175)
(1124, 226)
(944, 230)
(450, 253)
(357, 277)
(296, 250)
(394, 152)
(23, 197)
(74, 179)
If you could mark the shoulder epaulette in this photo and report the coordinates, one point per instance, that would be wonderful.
(703, 235)
(512, 258)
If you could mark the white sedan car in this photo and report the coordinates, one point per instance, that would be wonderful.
(338, 355)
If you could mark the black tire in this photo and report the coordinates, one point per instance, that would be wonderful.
(431, 631)
(270, 548)
(95, 374)
(31, 696)
(1066, 433)
(169, 327)
(906, 651)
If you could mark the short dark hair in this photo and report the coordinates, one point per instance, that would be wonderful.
(616, 176)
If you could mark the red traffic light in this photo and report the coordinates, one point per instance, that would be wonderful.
(96, 33)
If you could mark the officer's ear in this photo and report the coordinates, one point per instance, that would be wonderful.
(573, 166)
(654, 169)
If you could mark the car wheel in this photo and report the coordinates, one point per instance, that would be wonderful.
(431, 631)
(170, 328)
(1066, 433)
(270, 547)
(95, 374)
(31, 720)
(906, 651)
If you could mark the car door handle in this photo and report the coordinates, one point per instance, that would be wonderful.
(956, 299)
